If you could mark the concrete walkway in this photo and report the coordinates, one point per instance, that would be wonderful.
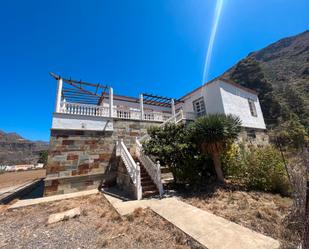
(29, 202)
(208, 229)
(9, 193)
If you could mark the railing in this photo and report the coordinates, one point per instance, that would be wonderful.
(153, 169)
(178, 117)
(83, 109)
(132, 167)
(118, 112)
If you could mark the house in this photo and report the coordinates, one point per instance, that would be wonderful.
(96, 135)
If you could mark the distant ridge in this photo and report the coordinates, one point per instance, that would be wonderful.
(14, 149)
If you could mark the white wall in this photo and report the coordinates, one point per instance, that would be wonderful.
(65, 121)
(222, 97)
(235, 101)
(211, 94)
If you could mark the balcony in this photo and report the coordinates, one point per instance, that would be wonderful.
(121, 112)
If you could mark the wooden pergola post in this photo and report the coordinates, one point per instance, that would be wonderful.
(58, 95)
(141, 102)
(111, 102)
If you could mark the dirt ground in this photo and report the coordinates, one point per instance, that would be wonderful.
(9, 179)
(99, 226)
(263, 212)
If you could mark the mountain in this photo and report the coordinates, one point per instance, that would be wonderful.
(14, 149)
(280, 74)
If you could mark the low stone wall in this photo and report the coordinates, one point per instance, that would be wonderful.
(124, 181)
(255, 137)
(81, 160)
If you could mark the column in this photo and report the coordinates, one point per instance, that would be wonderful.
(111, 102)
(58, 95)
(173, 107)
(141, 102)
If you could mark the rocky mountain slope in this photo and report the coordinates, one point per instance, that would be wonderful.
(280, 73)
(14, 149)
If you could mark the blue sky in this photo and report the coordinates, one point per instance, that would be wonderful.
(155, 46)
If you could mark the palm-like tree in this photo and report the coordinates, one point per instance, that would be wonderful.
(212, 133)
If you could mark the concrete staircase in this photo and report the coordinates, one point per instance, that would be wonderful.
(149, 189)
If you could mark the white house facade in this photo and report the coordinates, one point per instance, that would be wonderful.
(96, 135)
(223, 96)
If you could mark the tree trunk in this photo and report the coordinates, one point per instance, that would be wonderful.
(218, 168)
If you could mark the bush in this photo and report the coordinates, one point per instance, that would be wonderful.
(172, 145)
(266, 171)
(234, 161)
(259, 168)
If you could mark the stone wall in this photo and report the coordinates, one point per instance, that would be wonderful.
(255, 137)
(124, 181)
(81, 160)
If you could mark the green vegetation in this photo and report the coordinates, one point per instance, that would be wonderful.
(258, 168)
(212, 134)
(43, 157)
(172, 145)
(194, 153)
(291, 134)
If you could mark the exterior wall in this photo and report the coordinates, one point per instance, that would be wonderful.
(124, 181)
(80, 160)
(235, 101)
(221, 97)
(212, 98)
(253, 137)
(80, 122)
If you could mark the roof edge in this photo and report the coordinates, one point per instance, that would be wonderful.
(224, 80)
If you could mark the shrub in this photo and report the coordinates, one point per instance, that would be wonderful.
(234, 161)
(172, 145)
(259, 168)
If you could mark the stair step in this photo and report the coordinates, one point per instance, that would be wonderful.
(149, 188)
(165, 170)
(145, 183)
(150, 193)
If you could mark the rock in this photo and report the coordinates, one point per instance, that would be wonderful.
(72, 213)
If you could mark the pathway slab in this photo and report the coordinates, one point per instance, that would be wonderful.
(208, 229)
(29, 202)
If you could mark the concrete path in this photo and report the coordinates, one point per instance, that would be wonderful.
(29, 202)
(208, 229)
(9, 193)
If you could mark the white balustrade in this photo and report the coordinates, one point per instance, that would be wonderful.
(117, 112)
(153, 169)
(132, 167)
(83, 109)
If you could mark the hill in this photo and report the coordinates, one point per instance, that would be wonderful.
(280, 74)
(14, 149)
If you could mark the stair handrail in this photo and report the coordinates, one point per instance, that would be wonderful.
(132, 167)
(153, 169)
(178, 117)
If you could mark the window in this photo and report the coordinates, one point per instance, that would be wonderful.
(199, 107)
(252, 108)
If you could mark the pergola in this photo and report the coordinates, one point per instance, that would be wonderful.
(81, 92)
(78, 91)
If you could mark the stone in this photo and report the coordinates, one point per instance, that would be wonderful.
(69, 214)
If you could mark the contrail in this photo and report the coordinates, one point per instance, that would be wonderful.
(212, 39)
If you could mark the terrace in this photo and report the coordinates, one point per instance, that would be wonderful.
(78, 98)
